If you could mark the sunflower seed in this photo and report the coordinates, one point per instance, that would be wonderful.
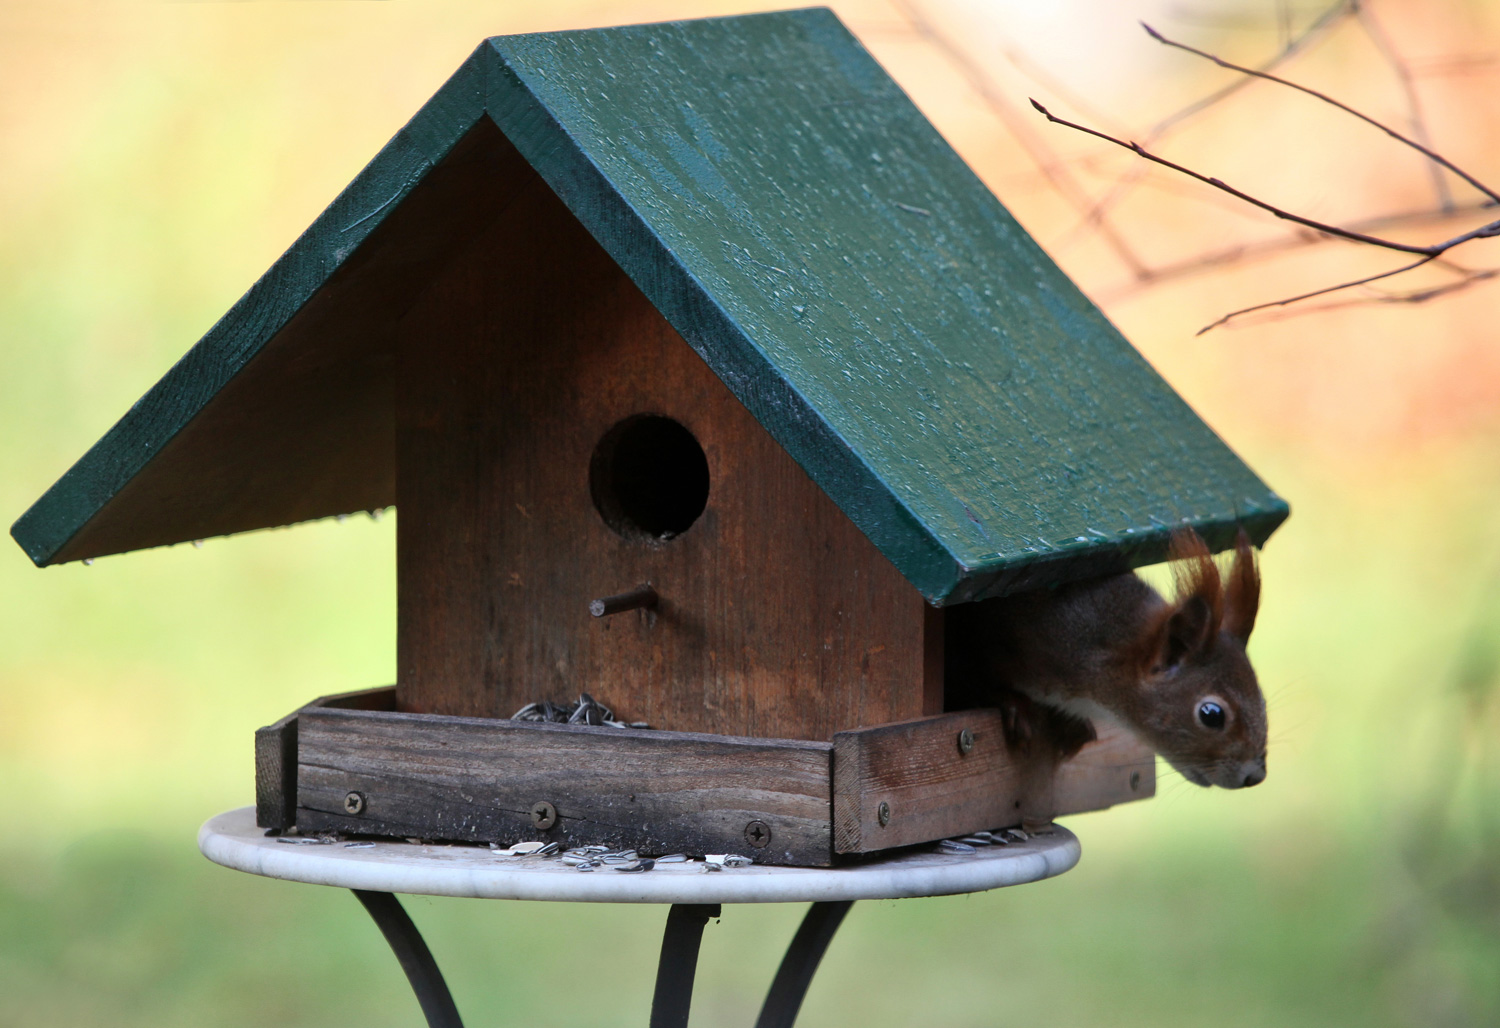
(709, 865)
(584, 711)
(953, 846)
(737, 860)
(359, 845)
(1017, 834)
(673, 858)
(639, 865)
(978, 840)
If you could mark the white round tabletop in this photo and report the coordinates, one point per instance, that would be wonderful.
(232, 839)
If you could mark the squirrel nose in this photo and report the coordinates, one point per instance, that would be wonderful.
(1255, 777)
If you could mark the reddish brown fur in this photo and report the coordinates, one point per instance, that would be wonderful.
(1194, 573)
(1242, 594)
(1113, 647)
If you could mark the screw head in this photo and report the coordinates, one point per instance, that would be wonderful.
(965, 741)
(1135, 780)
(758, 834)
(543, 814)
(354, 803)
(883, 813)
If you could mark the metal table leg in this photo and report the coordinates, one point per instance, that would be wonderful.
(679, 963)
(799, 965)
(415, 958)
(674, 973)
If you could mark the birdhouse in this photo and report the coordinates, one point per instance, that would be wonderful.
(704, 375)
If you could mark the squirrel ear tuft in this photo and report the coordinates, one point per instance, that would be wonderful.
(1242, 592)
(1189, 631)
(1197, 575)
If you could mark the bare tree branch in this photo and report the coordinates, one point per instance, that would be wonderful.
(1317, 292)
(1425, 151)
(1315, 31)
(1425, 253)
(1415, 297)
(1322, 23)
(1211, 260)
(1059, 175)
(1423, 295)
(1432, 250)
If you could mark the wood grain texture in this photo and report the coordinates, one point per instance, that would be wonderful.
(276, 774)
(276, 754)
(474, 779)
(776, 617)
(799, 223)
(1115, 768)
(934, 790)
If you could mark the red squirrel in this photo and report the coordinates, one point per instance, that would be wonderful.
(1173, 673)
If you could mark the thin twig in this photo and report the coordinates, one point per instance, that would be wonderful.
(1425, 253)
(1423, 295)
(1317, 28)
(1309, 35)
(1211, 260)
(1413, 298)
(1317, 292)
(1425, 151)
(1432, 250)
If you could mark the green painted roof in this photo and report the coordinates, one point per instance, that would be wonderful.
(808, 232)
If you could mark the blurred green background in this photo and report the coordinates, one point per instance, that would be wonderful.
(156, 157)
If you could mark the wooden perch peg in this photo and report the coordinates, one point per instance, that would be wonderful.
(642, 596)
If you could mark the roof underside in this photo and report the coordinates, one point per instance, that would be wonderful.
(805, 229)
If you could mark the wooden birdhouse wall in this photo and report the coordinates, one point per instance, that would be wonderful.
(777, 616)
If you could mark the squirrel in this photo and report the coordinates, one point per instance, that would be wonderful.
(1173, 673)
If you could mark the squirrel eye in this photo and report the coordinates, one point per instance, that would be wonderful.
(1211, 714)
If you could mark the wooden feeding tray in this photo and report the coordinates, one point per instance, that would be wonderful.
(353, 763)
